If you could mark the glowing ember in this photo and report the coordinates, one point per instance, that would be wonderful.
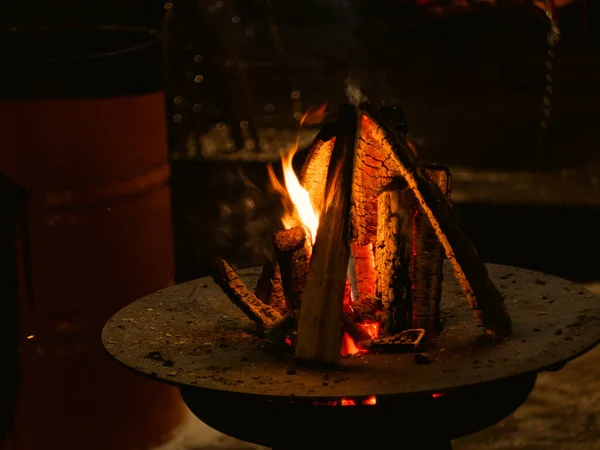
(298, 206)
(370, 400)
(347, 402)
(372, 328)
(438, 394)
(349, 348)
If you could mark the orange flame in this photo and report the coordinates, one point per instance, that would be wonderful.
(296, 199)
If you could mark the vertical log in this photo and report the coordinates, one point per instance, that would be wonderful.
(320, 321)
(293, 252)
(426, 259)
(364, 268)
(485, 300)
(391, 260)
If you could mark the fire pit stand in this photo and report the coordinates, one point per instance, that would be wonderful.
(191, 336)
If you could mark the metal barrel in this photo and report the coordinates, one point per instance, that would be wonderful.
(82, 123)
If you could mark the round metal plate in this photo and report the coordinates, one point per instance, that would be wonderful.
(192, 335)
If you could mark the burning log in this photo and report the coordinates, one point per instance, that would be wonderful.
(391, 260)
(427, 260)
(484, 298)
(264, 315)
(269, 288)
(375, 170)
(320, 321)
(364, 268)
(293, 252)
(314, 169)
(356, 331)
(406, 340)
(367, 308)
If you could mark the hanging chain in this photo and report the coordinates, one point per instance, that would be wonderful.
(553, 39)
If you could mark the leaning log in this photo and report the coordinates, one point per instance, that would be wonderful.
(314, 169)
(484, 298)
(426, 260)
(263, 315)
(320, 322)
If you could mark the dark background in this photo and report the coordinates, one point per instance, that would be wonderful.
(471, 84)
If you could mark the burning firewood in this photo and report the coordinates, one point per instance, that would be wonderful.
(484, 298)
(426, 259)
(391, 260)
(293, 251)
(375, 170)
(269, 287)
(262, 314)
(364, 268)
(320, 322)
(314, 170)
(406, 340)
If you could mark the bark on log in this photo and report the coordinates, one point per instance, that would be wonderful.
(427, 260)
(263, 315)
(293, 253)
(375, 169)
(320, 321)
(367, 308)
(314, 169)
(484, 298)
(269, 288)
(391, 260)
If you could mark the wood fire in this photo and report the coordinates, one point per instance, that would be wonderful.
(357, 266)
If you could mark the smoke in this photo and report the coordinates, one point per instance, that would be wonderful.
(353, 92)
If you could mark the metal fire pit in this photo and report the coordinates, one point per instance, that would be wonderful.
(191, 336)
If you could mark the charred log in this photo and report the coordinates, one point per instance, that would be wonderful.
(314, 169)
(364, 268)
(484, 298)
(263, 315)
(356, 331)
(293, 253)
(426, 260)
(391, 259)
(269, 287)
(407, 340)
(320, 321)
(367, 309)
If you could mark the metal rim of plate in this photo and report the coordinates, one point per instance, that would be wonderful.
(190, 335)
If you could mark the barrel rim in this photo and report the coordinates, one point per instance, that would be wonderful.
(153, 33)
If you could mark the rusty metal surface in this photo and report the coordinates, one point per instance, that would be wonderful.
(191, 335)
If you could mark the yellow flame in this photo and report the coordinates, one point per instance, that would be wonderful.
(298, 206)
(308, 217)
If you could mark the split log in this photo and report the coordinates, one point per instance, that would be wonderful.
(269, 287)
(484, 298)
(426, 260)
(375, 169)
(293, 253)
(391, 259)
(320, 322)
(314, 169)
(364, 268)
(263, 315)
